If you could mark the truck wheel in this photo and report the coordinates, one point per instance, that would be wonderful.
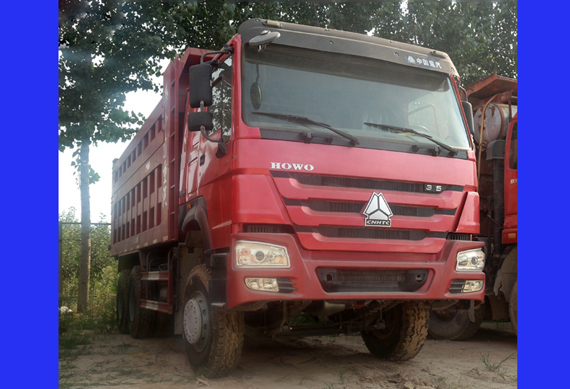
(454, 324)
(213, 339)
(403, 335)
(513, 307)
(123, 301)
(140, 319)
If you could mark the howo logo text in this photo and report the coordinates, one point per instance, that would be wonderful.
(377, 212)
(291, 166)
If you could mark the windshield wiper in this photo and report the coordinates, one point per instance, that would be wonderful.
(305, 120)
(453, 151)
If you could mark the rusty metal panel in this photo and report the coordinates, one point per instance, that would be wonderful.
(501, 89)
(491, 85)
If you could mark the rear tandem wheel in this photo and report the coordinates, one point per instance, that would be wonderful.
(513, 307)
(123, 301)
(140, 319)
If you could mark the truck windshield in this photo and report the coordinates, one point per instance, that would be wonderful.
(345, 92)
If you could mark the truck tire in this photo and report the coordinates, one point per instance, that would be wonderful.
(213, 339)
(403, 336)
(513, 307)
(123, 301)
(454, 324)
(140, 319)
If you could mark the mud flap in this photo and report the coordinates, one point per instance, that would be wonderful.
(217, 289)
(217, 262)
(507, 275)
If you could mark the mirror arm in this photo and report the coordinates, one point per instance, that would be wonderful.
(226, 50)
(222, 147)
(203, 132)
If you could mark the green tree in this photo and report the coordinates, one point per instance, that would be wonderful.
(480, 37)
(106, 49)
(70, 252)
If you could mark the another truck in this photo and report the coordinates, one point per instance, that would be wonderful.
(298, 181)
(494, 101)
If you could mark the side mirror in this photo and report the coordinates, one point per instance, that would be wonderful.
(264, 38)
(200, 85)
(198, 121)
(468, 109)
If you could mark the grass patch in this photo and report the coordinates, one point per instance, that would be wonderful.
(73, 340)
(341, 377)
(285, 377)
(494, 366)
(123, 347)
(443, 383)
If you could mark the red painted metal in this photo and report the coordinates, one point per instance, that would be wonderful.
(511, 185)
(145, 177)
(304, 264)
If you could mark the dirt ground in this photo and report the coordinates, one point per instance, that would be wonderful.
(489, 360)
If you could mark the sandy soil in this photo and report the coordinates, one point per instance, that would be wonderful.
(338, 362)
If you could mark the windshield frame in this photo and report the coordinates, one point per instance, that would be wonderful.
(407, 142)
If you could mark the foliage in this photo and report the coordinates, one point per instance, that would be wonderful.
(103, 267)
(107, 49)
(480, 37)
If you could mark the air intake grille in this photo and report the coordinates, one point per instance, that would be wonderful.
(361, 183)
(337, 281)
(371, 233)
(456, 236)
(357, 207)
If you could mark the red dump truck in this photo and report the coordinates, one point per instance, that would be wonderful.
(494, 102)
(298, 181)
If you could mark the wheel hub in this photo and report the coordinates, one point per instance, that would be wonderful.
(196, 321)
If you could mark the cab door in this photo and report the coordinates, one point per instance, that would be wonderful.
(214, 162)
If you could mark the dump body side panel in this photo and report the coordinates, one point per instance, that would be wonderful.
(146, 176)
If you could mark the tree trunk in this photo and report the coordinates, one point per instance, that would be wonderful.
(85, 265)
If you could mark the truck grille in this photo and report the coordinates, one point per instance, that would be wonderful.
(339, 281)
(327, 212)
(359, 183)
(370, 233)
(337, 206)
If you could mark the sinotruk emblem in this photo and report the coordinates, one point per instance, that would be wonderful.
(377, 212)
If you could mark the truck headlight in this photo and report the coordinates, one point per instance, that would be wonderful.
(470, 260)
(257, 254)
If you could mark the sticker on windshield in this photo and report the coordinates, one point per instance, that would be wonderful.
(424, 62)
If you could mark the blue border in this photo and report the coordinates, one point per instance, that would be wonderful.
(29, 177)
(30, 174)
(543, 215)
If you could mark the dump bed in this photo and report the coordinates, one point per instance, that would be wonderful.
(145, 189)
(482, 90)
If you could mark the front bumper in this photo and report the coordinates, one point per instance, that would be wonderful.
(309, 268)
